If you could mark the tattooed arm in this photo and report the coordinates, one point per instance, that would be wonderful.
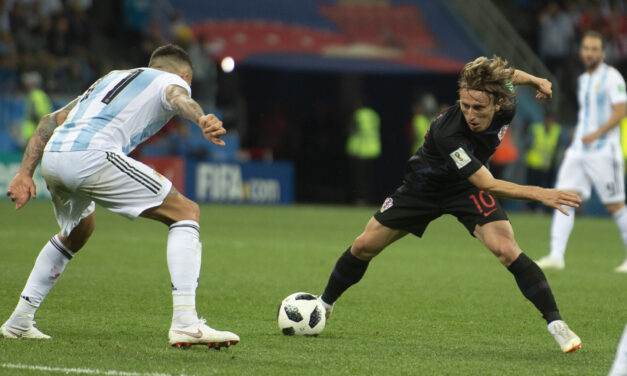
(22, 187)
(189, 109)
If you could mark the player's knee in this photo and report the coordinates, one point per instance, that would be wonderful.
(80, 234)
(506, 252)
(365, 248)
(613, 208)
(192, 210)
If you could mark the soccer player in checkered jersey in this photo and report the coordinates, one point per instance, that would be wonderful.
(594, 158)
(83, 150)
(448, 175)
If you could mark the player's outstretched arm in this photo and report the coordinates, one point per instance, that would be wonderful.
(22, 187)
(542, 85)
(189, 109)
(552, 198)
(618, 113)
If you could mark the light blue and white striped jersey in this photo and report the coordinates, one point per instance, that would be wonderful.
(597, 93)
(118, 112)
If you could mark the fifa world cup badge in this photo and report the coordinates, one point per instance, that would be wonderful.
(386, 204)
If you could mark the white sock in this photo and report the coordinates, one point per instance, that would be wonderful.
(621, 220)
(561, 227)
(619, 368)
(48, 268)
(184, 259)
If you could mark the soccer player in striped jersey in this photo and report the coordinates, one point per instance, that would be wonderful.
(594, 158)
(83, 150)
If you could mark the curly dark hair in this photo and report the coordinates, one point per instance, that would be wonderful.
(492, 76)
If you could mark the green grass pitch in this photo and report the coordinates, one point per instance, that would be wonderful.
(441, 305)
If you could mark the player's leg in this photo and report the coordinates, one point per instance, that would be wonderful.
(571, 177)
(606, 171)
(498, 237)
(406, 210)
(619, 212)
(76, 217)
(352, 265)
(184, 255)
(131, 188)
(619, 368)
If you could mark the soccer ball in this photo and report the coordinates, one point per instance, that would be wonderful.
(301, 314)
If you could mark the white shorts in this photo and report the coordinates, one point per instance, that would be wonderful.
(77, 179)
(603, 170)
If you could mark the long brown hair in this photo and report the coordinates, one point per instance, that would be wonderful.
(492, 76)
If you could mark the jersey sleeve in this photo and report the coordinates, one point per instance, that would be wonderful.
(171, 79)
(617, 88)
(456, 152)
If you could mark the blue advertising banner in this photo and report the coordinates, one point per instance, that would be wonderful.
(246, 183)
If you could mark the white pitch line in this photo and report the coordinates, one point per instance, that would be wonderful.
(88, 371)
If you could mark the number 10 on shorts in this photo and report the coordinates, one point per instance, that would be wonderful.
(484, 202)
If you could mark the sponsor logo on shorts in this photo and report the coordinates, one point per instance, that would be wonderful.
(387, 204)
(460, 157)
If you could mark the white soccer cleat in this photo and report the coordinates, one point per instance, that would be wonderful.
(548, 262)
(565, 337)
(622, 268)
(14, 333)
(328, 308)
(201, 334)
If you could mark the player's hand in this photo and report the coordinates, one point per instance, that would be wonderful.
(590, 138)
(554, 198)
(544, 89)
(212, 129)
(21, 189)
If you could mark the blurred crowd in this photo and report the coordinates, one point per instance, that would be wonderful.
(554, 29)
(70, 43)
(51, 37)
(55, 49)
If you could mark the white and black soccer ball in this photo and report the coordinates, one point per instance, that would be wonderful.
(301, 314)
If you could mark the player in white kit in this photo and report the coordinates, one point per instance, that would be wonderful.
(594, 159)
(83, 149)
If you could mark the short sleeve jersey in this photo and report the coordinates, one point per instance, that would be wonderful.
(452, 152)
(597, 93)
(118, 112)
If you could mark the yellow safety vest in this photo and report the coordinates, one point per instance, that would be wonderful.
(364, 141)
(421, 125)
(623, 137)
(38, 104)
(540, 154)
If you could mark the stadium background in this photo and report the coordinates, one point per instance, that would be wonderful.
(299, 67)
(440, 305)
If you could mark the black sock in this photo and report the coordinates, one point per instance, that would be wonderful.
(348, 271)
(532, 283)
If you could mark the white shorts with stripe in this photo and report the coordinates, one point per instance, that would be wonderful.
(601, 169)
(77, 179)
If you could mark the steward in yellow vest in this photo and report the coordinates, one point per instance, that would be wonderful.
(36, 106)
(420, 125)
(364, 141)
(545, 138)
(623, 139)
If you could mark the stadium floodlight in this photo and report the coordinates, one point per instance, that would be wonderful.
(227, 64)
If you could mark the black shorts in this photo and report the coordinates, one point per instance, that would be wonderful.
(411, 210)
